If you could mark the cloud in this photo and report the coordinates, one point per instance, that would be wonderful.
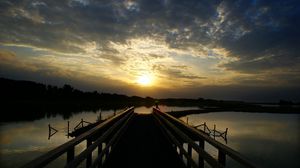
(6, 56)
(210, 40)
(176, 72)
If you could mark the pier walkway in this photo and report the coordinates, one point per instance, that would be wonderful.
(144, 145)
(142, 140)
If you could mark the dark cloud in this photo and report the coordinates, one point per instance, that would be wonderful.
(248, 29)
(261, 36)
(271, 35)
(176, 72)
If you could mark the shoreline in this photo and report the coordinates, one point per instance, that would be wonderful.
(274, 110)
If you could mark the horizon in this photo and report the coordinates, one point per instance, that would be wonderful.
(144, 97)
(237, 50)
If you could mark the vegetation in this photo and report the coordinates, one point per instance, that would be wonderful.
(26, 100)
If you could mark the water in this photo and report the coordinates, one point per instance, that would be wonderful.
(270, 140)
(28, 140)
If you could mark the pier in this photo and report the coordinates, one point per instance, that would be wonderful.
(142, 140)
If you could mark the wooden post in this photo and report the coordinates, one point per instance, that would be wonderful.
(70, 155)
(82, 123)
(107, 150)
(222, 157)
(99, 152)
(225, 137)
(200, 159)
(214, 130)
(68, 129)
(204, 126)
(180, 152)
(49, 131)
(190, 155)
(89, 157)
(187, 120)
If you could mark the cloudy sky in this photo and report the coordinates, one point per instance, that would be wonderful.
(241, 50)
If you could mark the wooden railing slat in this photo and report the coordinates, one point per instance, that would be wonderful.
(68, 146)
(205, 155)
(84, 154)
(222, 148)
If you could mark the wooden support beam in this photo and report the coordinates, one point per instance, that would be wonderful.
(89, 157)
(190, 155)
(68, 134)
(70, 154)
(99, 153)
(222, 158)
(180, 151)
(200, 158)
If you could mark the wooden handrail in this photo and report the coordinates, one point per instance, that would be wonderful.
(173, 139)
(84, 154)
(69, 146)
(112, 141)
(202, 136)
(183, 136)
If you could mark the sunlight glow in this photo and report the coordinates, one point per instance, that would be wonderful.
(144, 80)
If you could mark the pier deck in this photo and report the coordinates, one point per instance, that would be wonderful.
(144, 145)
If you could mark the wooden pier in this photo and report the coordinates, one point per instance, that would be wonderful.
(142, 140)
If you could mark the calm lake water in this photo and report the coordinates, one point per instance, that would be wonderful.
(272, 140)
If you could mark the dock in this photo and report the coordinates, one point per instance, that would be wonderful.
(142, 140)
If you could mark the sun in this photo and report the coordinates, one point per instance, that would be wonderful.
(144, 80)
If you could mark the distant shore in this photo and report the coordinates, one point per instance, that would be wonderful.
(254, 109)
(28, 101)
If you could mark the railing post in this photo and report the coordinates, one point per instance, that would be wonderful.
(190, 155)
(82, 123)
(180, 152)
(200, 159)
(214, 131)
(222, 157)
(89, 157)
(68, 134)
(70, 154)
(99, 152)
(107, 150)
(49, 131)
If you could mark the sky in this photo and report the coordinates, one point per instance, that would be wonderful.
(233, 49)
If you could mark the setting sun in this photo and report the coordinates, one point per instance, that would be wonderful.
(144, 80)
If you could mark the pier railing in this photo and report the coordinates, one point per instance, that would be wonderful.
(102, 137)
(180, 133)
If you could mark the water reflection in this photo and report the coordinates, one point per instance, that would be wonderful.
(27, 140)
(272, 140)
